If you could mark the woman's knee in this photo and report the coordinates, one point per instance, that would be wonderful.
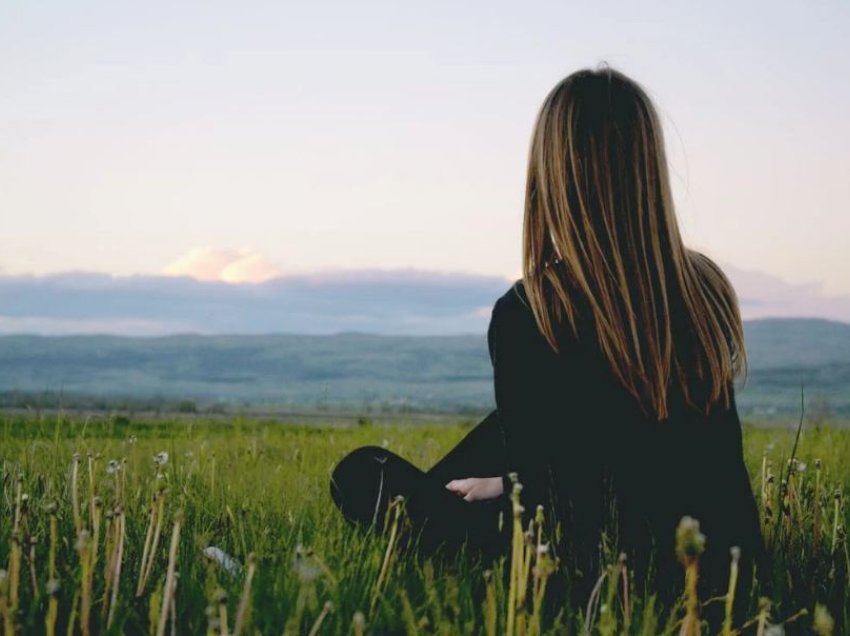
(363, 482)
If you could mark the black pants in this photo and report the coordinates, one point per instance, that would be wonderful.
(365, 482)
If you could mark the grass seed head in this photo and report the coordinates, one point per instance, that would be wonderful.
(690, 542)
(83, 540)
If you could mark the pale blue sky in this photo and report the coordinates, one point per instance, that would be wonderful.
(321, 135)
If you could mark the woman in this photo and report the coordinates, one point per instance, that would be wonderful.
(614, 359)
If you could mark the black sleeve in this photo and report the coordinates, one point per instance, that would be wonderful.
(747, 534)
(524, 369)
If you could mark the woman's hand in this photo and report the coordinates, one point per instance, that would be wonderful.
(476, 488)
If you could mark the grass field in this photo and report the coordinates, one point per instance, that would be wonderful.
(97, 536)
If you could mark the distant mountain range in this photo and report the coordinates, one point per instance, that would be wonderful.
(367, 372)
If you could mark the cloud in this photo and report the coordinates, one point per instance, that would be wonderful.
(399, 302)
(54, 326)
(223, 265)
(203, 293)
(762, 295)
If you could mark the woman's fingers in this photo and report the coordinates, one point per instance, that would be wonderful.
(460, 486)
(476, 488)
(485, 488)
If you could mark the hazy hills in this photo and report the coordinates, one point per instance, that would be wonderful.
(371, 371)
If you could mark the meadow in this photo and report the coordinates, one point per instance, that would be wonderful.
(189, 526)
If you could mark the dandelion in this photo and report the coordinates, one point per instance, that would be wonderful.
(763, 615)
(170, 577)
(303, 565)
(5, 609)
(219, 556)
(154, 528)
(161, 458)
(359, 623)
(83, 546)
(823, 622)
(245, 599)
(52, 607)
(14, 572)
(220, 600)
(114, 578)
(490, 604)
(397, 506)
(690, 544)
(735, 553)
(113, 467)
(326, 609)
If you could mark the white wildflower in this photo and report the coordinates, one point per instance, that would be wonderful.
(227, 562)
(304, 565)
(161, 458)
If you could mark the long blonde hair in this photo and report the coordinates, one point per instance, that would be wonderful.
(600, 230)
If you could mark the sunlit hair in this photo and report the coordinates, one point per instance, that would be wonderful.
(600, 232)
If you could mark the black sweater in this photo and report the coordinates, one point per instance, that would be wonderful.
(583, 449)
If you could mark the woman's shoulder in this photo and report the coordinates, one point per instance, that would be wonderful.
(514, 299)
(513, 317)
(512, 310)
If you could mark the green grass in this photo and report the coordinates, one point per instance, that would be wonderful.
(252, 488)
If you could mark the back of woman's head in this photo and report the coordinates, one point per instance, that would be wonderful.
(600, 232)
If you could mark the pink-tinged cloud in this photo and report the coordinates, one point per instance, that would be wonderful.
(762, 295)
(224, 265)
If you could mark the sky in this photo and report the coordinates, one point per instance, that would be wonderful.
(241, 141)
